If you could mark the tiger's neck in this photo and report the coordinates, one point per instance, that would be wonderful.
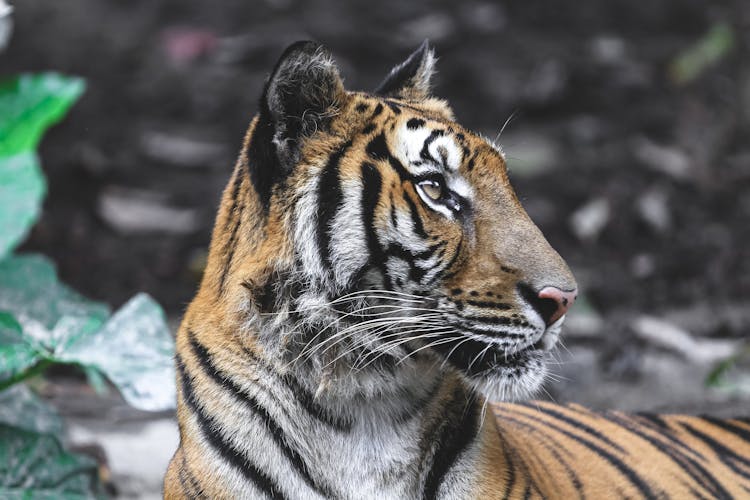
(415, 442)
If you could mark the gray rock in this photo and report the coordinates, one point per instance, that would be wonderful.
(131, 211)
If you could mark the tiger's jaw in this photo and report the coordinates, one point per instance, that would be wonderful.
(500, 371)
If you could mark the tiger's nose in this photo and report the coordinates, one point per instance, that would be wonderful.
(558, 301)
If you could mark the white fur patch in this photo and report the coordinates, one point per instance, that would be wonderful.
(447, 158)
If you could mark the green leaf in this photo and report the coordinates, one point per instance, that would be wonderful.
(50, 313)
(29, 104)
(143, 367)
(20, 407)
(22, 189)
(36, 466)
(133, 348)
(16, 355)
(708, 50)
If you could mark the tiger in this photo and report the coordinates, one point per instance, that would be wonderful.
(376, 310)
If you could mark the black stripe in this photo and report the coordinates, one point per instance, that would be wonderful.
(729, 427)
(727, 456)
(377, 149)
(425, 153)
(235, 214)
(308, 403)
(394, 106)
(552, 448)
(572, 476)
(660, 427)
(236, 184)
(229, 251)
(455, 256)
(394, 217)
(472, 162)
(527, 491)
(457, 428)
(493, 320)
(397, 250)
(277, 433)
(187, 476)
(626, 471)
(695, 470)
(329, 201)
(372, 183)
(577, 424)
(415, 123)
(489, 305)
(499, 334)
(414, 214)
(210, 429)
(185, 483)
(377, 111)
(511, 468)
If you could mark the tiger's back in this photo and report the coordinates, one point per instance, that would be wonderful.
(372, 280)
(573, 452)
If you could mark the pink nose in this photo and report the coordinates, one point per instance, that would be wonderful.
(563, 300)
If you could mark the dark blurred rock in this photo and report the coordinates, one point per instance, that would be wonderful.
(653, 208)
(669, 336)
(130, 211)
(590, 219)
(435, 26)
(483, 17)
(184, 150)
(6, 24)
(546, 82)
(664, 159)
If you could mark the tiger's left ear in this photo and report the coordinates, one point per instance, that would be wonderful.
(412, 78)
(301, 95)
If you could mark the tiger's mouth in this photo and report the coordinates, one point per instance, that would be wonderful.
(501, 371)
(476, 358)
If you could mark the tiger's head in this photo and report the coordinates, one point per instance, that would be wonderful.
(383, 232)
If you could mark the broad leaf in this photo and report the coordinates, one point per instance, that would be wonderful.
(22, 188)
(20, 407)
(36, 466)
(29, 104)
(135, 351)
(16, 354)
(50, 313)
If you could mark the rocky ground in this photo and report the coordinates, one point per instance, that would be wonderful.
(628, 149)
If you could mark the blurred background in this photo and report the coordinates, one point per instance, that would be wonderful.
(625, 123)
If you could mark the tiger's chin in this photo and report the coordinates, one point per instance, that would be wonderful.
(514, 379)
(497, 375)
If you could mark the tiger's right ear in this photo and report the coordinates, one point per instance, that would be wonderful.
(412, 78)
(300, 97)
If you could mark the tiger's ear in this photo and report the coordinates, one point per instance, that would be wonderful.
(300, 97)
(412, 78)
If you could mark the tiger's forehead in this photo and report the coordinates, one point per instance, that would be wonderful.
(429, 147)
(423, 147)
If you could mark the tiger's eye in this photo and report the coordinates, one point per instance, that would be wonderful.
(434, 190)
